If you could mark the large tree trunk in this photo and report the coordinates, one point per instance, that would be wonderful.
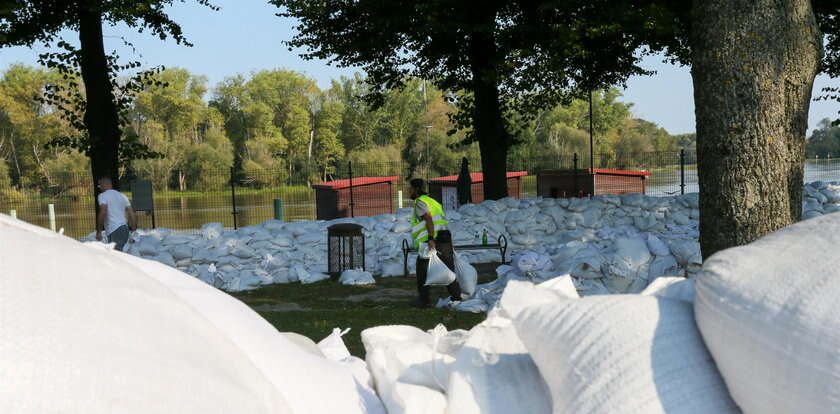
(753, 65)
(101, 117)
(488, 124)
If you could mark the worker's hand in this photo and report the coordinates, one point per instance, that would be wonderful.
(432, 244)
(99, 235)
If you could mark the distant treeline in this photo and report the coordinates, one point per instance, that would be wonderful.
(277, 126)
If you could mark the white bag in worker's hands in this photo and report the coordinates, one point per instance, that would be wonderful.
(438, 272)
(467, 275)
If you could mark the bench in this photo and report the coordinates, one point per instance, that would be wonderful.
(501, 244)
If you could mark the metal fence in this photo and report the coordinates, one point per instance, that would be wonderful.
(248, 197)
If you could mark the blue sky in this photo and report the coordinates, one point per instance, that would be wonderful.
(245, 35)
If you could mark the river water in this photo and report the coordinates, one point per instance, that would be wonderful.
(191, 212)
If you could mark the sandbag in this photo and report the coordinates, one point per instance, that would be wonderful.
(132, 347)
(768, 313)
(467, 275)
(438, 274)
(356, 277)
(494, 374)
(621, 354)
(400, 359)
(671, 287)
(333, 346)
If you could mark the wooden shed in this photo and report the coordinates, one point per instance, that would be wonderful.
(445, 190)
(369, 196)
(576, 183)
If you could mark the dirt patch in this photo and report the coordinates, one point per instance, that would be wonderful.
(281, 307)
(382, 295)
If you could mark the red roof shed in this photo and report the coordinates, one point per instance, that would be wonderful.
(444, 189)
(359, 196)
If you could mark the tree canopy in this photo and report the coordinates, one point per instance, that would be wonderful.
(502, 57)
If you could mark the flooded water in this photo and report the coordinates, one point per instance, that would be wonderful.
(190, 212)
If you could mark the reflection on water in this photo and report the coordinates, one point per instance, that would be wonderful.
(76, 216)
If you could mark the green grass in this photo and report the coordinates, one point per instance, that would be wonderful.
(327, 306)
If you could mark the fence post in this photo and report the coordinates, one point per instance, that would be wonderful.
(51, 212)
(575, 164)
(233, 197)
(278, 209)
(13, 213)
(350, 172)
(399, 199)
(682, 171)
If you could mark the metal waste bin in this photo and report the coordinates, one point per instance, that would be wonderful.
(345, 248)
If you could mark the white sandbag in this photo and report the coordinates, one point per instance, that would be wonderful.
(212, 231)
(663, 266)
(312, 277)
(356, 277)
(768, 312)
(519, 295)
(684, 250)
(282, 240)
(306, 344)
(531, 262)
(392, 268)
(623, 353)
(671, 287)
(148, 246)
(400, 358)
(438, 274)
(656, 246)
(182, 251)
(493, 374)
(133, 347)
(563, 285)
(333, 346)
(309, 239)
(467, 275)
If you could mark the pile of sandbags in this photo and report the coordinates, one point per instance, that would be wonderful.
(608, 243)
(758, 335)
(85, 329)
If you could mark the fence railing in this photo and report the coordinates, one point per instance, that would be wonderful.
(243, 198)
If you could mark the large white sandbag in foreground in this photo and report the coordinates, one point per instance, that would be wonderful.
(623, 354)
(769, 314)
(494, 374)
(123, 334)
(83, 332)
(408, 375)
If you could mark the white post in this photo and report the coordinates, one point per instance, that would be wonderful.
(13, 213)
(399, 199)
(51, 208)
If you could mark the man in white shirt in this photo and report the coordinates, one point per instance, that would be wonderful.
(116, 216)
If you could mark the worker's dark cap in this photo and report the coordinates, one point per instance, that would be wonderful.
(418, 183)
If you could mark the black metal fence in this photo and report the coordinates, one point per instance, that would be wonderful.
(251, 196)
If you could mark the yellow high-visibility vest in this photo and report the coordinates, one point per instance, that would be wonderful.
(419, 233)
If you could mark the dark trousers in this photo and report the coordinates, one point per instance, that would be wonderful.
(120, 237)
(443, 244)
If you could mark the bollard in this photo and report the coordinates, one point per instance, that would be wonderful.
(278, 209)
(399, 199)
(51, 209)
(13, 213)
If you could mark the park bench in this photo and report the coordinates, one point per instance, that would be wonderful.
(501, 244)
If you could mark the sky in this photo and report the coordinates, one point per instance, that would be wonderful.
(246, 35)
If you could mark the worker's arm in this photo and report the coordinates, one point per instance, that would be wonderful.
(430, 227)
(100, 220)
(132, 218)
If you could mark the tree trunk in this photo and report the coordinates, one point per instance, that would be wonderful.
(753, 66)
(488, 124)
(101, 119)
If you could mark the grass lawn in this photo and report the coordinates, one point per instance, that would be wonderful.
(314, 310)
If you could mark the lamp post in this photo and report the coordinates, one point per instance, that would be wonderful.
(591, 134)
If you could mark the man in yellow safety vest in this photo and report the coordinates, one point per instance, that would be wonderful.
(429, 229)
